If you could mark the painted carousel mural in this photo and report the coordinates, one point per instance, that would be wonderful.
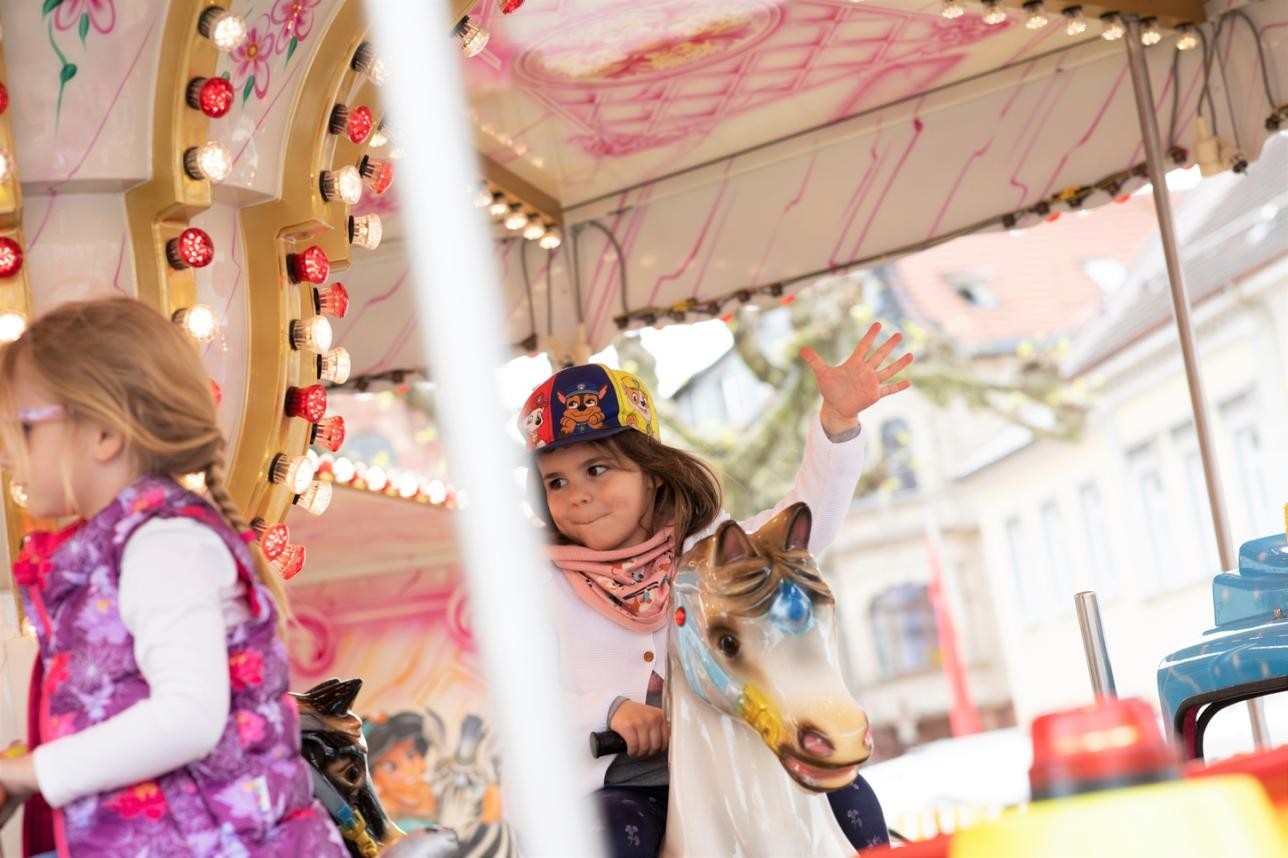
(235, 165)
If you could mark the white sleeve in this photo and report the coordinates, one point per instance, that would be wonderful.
(826, 480)
(173, 572)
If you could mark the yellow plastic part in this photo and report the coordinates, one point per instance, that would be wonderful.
(1179, 819)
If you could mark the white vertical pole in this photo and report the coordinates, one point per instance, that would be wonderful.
(461, 331)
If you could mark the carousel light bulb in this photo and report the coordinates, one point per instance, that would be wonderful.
(10, 257)
(379, 138)
(366, 231)
(472, 37)
(316, 498)
(517, 219)
(344, 183)
(198, 321)
(1187, 38)
(332, 300)
(18, 494)
(550, 239)
(6, 165)
(291, 562)
(343, 469)
(273, 538)
(313, 334)
(213, 96)
(498, 206)
(210, 160)
(1075, 23)
(4, 98)
(220, 26)
(329, 433)
(294, 472)
(334, 366)
(1149, 32)
(483, 197)
(366, 62)
(12, 325)
(407, 486)
(192, 248)
(994, 13)
(534, 230)
(379, 173)
(1112, 27)
(1034, 16)
(437, 492)
(307, 403)
(953, 9)
(310, 265)
(376, 478)
(359, 124)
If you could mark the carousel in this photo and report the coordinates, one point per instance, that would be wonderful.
(351, 206)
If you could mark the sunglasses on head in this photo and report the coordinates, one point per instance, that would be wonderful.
(28, 417)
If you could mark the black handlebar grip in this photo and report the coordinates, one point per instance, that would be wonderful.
(605, 743)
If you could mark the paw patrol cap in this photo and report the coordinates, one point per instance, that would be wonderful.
(586, 403)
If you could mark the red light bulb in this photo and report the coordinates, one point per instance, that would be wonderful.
(192, 249)
(311, 265)
(508, 6)
(331, 300)
(290, 561)
(10, 257)
(679, 616)
(379, 173)
(307, 402)
(273, 538)
(360, 124)
(4, 98)
(329, 433)
(213, 96)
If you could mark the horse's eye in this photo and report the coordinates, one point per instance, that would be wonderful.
(728, 645)
(352, 774)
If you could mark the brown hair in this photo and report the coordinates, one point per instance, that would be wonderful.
(688, 493)
(120, 363)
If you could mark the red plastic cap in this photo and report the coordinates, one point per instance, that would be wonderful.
(10, 257)
(508, 6)
(360, 124)
(214, 96)
(273, 540)
(192, 249)
(330, 433)
(310, 266)
(379, 173)
(290, 561)
(307, 402)
(4, 98)
(1113, 743)
(333, 301)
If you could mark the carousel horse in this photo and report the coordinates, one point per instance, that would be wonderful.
(333, 744)
(762, 725)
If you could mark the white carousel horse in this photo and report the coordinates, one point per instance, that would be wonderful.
(761, 722)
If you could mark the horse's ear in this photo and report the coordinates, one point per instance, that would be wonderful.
(798, 528)
(732, 544)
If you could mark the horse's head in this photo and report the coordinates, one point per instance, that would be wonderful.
(755, 634)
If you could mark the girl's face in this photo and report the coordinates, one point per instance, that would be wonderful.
(595, 499)
(49, 434)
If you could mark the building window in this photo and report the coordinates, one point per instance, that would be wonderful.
(1095, 532)
(1204, 539)
(896, 452)
(904, 625)
(1148, 478)
(1242, 418)
(1022, 570)
(1057, 549)
(972, 287)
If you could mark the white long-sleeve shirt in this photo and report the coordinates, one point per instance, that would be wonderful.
(602, 661)
(179, 593)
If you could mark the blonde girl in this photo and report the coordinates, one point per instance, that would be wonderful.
(159, 716)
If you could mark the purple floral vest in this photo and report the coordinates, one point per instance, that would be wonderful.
(251, 796)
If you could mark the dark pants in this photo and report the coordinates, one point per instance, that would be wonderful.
(635, 818)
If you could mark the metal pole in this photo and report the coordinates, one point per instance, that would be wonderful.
(460, 327)
(1181, 310)
(1093, 644)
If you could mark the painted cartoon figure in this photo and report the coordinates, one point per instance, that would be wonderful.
(638, 397)
(582, 411)
(399, 769)
(532, 422)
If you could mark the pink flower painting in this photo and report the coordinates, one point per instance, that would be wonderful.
(294, 19)
(250, 65)
(99, 14)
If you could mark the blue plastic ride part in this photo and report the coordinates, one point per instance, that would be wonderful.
(1244, 656)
